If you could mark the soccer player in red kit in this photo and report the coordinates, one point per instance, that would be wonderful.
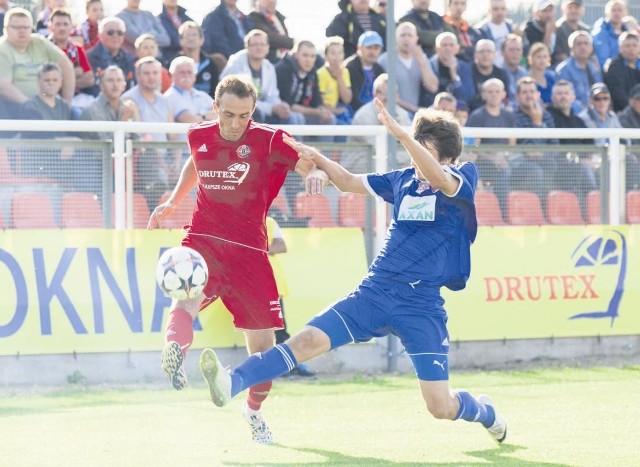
(239, 167)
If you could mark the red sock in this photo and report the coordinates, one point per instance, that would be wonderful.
(257, 394)
(180, 329)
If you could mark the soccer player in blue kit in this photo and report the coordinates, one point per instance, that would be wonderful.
(427, 247)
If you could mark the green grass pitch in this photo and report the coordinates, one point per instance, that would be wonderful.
(560, 417)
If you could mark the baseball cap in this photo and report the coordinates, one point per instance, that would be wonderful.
(635, 92)
(369, 38)
(577, 2)
(542, 4)
(599, 88)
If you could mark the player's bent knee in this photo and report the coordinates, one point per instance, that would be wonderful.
(440, 411)
(309, 343)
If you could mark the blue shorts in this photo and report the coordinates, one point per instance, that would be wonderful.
(375, 309)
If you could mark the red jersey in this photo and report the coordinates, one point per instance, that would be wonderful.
(237, 181)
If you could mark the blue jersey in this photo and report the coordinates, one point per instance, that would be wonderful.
(429, 239)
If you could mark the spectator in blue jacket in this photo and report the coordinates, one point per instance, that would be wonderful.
(454, 76)
(172, 17)
(579, 70)
(607, 29)
(224, 29)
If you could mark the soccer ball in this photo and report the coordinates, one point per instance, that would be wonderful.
(182, 273)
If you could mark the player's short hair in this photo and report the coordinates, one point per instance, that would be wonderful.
(238, 86)
(64, 12)
(439, 129)
(144, 37)
(189, 25)
(253, 33)
(18, 13)
(47, 68)
(331, 41)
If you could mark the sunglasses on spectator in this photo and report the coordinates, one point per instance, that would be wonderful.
(114, 32)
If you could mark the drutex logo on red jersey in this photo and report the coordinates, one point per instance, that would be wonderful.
(224, 179)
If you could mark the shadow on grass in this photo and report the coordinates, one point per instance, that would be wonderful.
(494, 456)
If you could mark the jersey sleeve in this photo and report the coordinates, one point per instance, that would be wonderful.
(282, 153)
(467, 173)
(382, 184)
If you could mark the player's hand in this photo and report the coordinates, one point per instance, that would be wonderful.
(305, 152)
(315, 182)
(159, 213)
(393, 127)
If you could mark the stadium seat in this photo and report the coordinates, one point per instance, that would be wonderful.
(633, 207)
(182, 215)
(316, 208)
(32, 211)
(351, 210)
(488, 209)
(593, 207)
(524, 208)
(141, 211)
(80, 210)
(563, 208)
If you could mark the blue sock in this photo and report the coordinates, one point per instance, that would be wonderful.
(473, 410)
(262, 367)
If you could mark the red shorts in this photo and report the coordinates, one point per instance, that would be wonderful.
(243, 279)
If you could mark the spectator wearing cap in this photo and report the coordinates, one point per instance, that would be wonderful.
(579, 69)
(454, 76)
(428, 23)
(623, 71)
(599, 113)
(364, 68)
(541, 27)
(607, 30)
(569, 22)
(412, 67)
(355, 18)
(496, 26)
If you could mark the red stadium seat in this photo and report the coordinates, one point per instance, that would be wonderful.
(524, 208)
(316, 208)
(351, 210)
(488, 209)
(563, 208)
(182, 215)
(32, 211)
(633, 207)
(593, 208)
(80, 210)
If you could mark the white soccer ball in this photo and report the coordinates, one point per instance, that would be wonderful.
(182, 273)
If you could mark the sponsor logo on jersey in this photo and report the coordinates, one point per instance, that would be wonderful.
(243, 151)
(417, 208)
(202, 148)
(235, 175)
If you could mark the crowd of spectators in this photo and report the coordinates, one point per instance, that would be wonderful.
(553, 70)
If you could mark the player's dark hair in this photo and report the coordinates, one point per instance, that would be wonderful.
(238, 86)
(439, 129)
